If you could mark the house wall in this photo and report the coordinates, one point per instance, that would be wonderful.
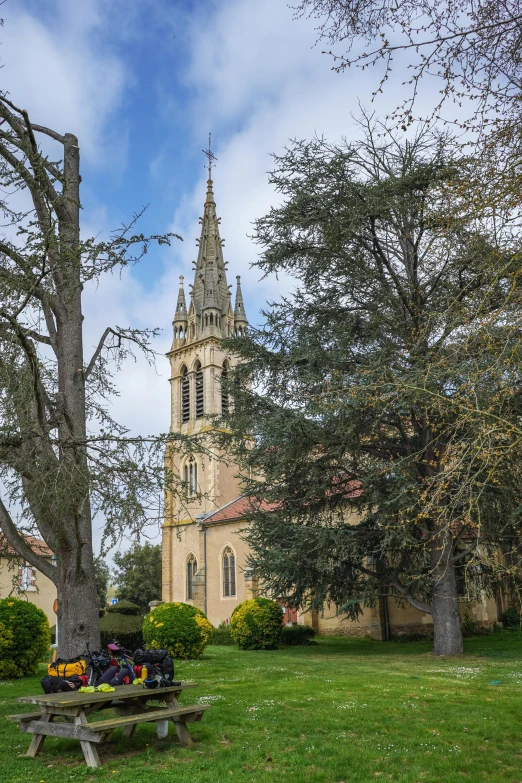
(42, 593)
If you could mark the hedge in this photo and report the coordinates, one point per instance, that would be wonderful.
(294, 635)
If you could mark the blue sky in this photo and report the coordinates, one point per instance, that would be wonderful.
(141, 84)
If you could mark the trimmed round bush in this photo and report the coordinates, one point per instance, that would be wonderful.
(257, 624)
(182, 629)
(122, 622)
(26, 638)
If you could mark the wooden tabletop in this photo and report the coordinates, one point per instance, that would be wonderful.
(119, 693)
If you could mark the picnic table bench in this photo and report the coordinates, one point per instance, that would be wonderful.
(130, 702)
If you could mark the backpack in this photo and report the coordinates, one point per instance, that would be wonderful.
(52, 684)
(155, 657)
(158, 665)
(67, 667)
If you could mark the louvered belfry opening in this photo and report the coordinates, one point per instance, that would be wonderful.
(200, 403)
(185, 396)
(224, 389)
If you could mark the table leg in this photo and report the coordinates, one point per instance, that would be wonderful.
(89, 748)
(39, 739)
(181, 728)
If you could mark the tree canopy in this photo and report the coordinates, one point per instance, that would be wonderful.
(138, 574)
(377, 411)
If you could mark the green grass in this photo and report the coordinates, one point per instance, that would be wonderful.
(344, 710)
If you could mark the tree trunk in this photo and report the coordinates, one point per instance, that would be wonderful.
(76, 584)
(78, 615)
(447, 631)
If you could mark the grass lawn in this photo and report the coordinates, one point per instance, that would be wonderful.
(345, 710)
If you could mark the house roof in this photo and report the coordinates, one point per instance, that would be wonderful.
(239, 508)
(38, 546)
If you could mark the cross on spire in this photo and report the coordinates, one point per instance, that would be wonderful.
(210, 156)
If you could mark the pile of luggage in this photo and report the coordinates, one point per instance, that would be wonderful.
(151, 668)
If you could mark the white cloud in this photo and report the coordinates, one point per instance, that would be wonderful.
(65, 78)
(258, 81)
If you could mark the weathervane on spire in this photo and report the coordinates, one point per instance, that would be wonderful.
(210, 156)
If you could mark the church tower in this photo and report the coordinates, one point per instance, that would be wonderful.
(198, 364)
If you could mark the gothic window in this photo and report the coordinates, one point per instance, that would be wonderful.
(186, 479)
(193, 477)
(185, 395)
(192, 569)
(212, 319)
(200, 405)
(229, 573)
(224, 389)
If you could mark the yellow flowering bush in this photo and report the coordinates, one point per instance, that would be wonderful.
(257, 624)
(182, 629)
(24, 631)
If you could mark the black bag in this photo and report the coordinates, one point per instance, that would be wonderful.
(142, 657)
(52, 684)
(167, 670)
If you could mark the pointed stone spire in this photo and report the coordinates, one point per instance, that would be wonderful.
(240, 319)
(210, 290)
(181, 306)
(180, 322)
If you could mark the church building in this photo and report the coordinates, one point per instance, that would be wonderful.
(204, 556)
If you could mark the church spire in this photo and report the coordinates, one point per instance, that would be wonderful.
(240, 319)
(180, 322)
(210, 309)
(181, 306)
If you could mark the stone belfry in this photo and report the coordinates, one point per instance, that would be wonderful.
(198, 364)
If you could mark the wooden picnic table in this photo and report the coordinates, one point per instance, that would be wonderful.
(130, 702)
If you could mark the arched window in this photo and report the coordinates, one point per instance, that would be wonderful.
(192, 569)
(190, 477)
(193, 477)
(229, 573)
(200, 404)
(185, 395)
(224, 389)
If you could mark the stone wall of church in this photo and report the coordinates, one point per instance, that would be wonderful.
(182, 541)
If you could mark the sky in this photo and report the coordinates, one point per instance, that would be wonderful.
(142, 84)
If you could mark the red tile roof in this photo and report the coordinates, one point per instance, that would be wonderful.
(38, 546)
(239, 508)
(236, 509)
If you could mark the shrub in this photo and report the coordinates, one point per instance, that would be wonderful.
(257, 624)
(125, 607)
(297, 634)
(26, 638)
(182, 629)
(510, 618)
(469, 626)
(122, 622)
(222, 635)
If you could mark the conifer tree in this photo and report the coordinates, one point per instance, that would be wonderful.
(63, 458)
(377, 411)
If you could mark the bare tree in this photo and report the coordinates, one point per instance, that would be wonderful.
(62, 457)
(472, 47)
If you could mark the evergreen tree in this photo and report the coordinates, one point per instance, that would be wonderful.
(138, 575)
(377, 411)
